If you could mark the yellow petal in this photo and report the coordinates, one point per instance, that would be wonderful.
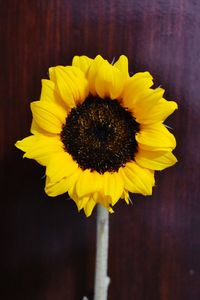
(88, 183)
(49, 92)
(88, 202)
(72, 85)
(137, 179)
(82, 62)
(137, 91)
(122, 65)
(48, 116)
(40, 148)
(155, 160)
(125, 196)
(55, 189)
(145, 101)
(109, 81)
(110, 210)
(35, 129)
(64, 185)
(112, 187)
(52, 74)
(82, 202)
(88, 208)
(60, 165)
(155, 137)
(72, 182)
(99, 197)
(156, 113)
(92, 72)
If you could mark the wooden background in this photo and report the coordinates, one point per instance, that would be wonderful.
(47, 249)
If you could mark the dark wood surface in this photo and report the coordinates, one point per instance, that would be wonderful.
(47, 249)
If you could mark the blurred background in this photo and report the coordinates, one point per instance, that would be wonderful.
(47, 248)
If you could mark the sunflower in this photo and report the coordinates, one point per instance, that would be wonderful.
(99, 132)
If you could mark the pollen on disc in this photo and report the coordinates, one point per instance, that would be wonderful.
(100, 135)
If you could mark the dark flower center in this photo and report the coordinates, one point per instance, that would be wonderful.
(100, 135)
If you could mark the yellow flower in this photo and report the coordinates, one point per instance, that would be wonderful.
(99, 132)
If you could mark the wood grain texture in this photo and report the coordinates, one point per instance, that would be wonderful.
(47, 248)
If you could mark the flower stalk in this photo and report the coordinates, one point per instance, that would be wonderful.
(101, 278)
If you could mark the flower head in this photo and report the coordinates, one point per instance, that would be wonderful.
(99, 132)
